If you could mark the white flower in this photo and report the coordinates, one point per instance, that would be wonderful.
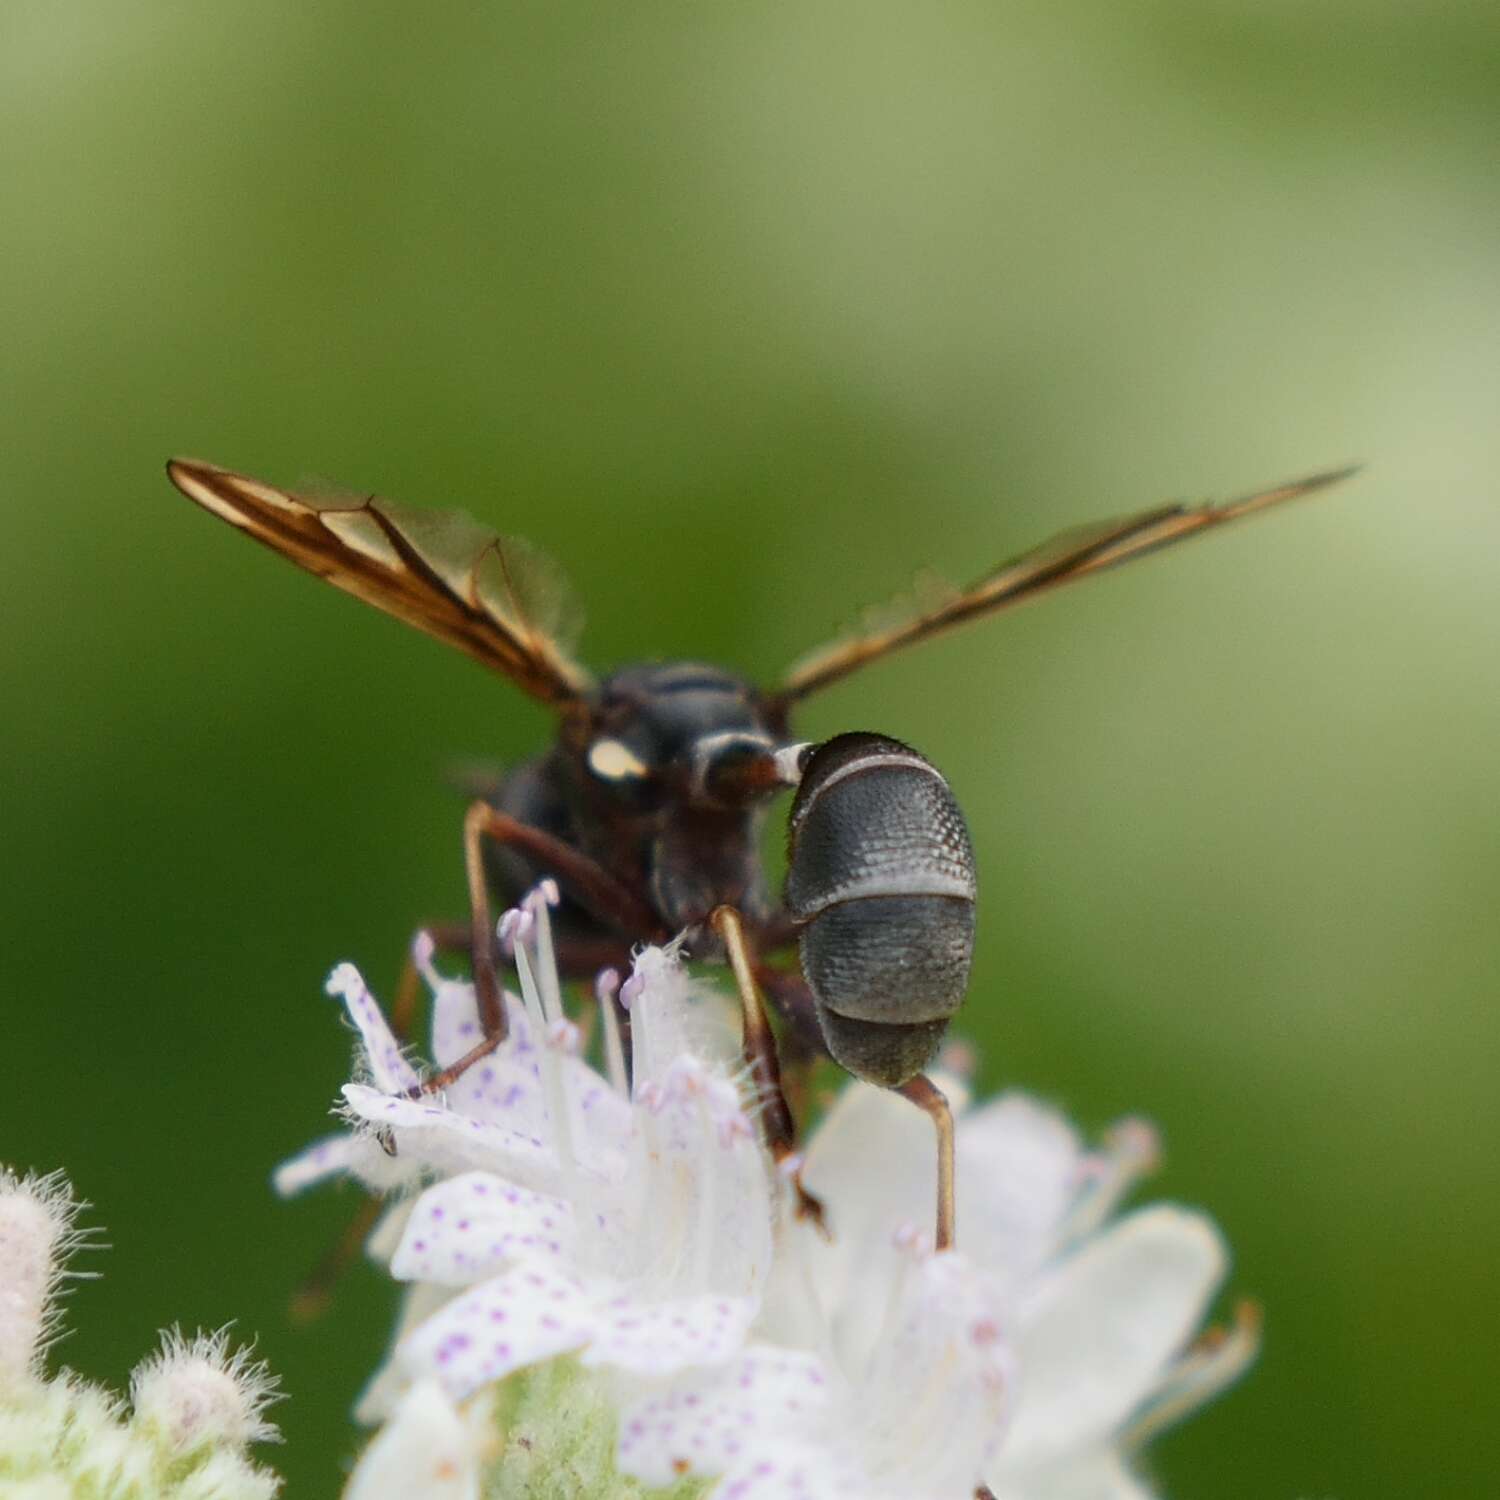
(426, 1449)
(572, 1215)
(1029, 1363)
(714, 1338)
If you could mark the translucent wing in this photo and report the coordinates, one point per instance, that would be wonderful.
(495, 598)
(934, 608)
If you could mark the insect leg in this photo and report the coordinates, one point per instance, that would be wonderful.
(312, 1298)
(802, 1042)
(593, 886)
(777, 1125)
(929, 1098)
(791, 995)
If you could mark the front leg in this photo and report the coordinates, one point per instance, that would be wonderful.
(613, 903)
(777, 1125)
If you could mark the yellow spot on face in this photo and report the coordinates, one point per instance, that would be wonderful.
(613, 761)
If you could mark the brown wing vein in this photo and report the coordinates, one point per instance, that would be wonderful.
(1060, 560)
(405, 582)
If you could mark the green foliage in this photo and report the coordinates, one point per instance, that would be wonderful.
(556, 1427)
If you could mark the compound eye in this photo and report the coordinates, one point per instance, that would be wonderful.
(612, 760)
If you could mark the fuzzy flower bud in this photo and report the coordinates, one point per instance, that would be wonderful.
(197, 1404)
(196, 1392)
(37, 1232)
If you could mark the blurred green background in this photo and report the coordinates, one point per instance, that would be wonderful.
(744, 312)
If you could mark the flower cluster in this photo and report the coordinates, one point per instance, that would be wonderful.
(195, 1405)
(618, 1239)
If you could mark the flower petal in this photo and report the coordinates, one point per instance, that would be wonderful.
(1103, 1327)
(671, 1018)
(385, 1388)
(1020, 1168)
(1101, 1475)
(436, 1137)
(930, 1403)
(793, 1469)
(662, 1338)
(388, 1067)
(335, 1155)
(455, 1022)
(707, 1425)
(424, 1450)
(852, 1277)
(467, 1228)
(528, 1314)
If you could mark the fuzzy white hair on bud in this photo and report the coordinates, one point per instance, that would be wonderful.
(197, 1392)
(38, 1231)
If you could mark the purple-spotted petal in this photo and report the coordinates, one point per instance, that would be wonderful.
(765, 1399)
(530, 1313)
(455, 1022)
(472, 1226)
(388, 1067)
(505, 1087)
(333, 1156)
(658, 1339)
(801, 1470)
(438, 1138)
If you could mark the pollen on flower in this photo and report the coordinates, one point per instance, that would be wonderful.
(38, 1217)
(196, 1392)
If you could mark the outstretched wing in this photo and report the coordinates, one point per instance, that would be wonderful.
(1071, 555)
(495, 598)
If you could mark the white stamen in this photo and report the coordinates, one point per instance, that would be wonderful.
(606, 987)
(554, 1085)
(423, 951)
(514, 927)
(546, 958)
(1132, 1148)
(563, 1036)
(1213, 1363)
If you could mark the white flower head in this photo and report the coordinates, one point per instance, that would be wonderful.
(569, 1214)
(634, 1241)
(1032, 1363)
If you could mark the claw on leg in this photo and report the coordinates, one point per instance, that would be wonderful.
(807, 1205)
